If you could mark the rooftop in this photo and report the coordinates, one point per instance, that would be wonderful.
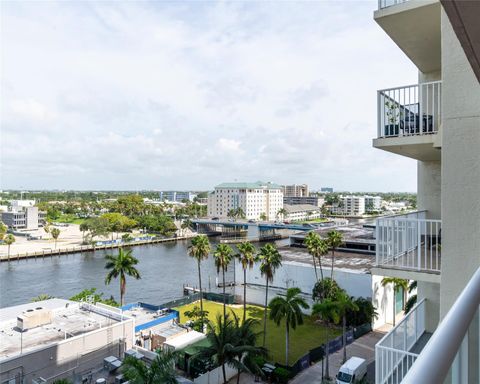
(346, 261)
(68, 319)
(255, 185)
(351, 234)
(300, 207)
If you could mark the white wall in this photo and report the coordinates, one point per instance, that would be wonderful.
(215, 376)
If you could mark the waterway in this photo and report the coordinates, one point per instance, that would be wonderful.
(164, 268)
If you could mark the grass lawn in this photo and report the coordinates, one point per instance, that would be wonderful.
(305, 337)
(68, 219)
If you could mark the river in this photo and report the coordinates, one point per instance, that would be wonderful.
(164, 269)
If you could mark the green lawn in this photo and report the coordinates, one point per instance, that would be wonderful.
(305, 337)
(69, 219)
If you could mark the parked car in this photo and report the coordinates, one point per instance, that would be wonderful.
(354, 370)
(215, 218)
(252, 221)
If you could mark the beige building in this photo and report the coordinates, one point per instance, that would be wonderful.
(52, 339)
(295, 190)
(437, 123)
(255, 199)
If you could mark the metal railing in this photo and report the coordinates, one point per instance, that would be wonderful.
(449, 347)
(409, 242)
(388, 3)
(393, 358)
(409, 110)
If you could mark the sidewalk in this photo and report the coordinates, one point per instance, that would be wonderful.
(363, 347)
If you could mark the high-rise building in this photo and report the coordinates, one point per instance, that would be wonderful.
(437, 123)
(257, 200)
(178, 196)
(295, 190)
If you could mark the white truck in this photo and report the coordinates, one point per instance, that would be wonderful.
(354, 370)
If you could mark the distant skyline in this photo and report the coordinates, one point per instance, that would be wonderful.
(186, 95)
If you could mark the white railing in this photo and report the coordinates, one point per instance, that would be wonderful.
(409, 242)
(410, 110)
(389, 3)
(456, 337)
(393, 358)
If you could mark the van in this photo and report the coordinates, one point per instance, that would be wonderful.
(354, 370)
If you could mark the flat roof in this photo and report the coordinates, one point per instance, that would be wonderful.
(346, 261)
(185, 339)
(290, 208)
(141, 314)
(351, 233)
(255, 185)
(69, 319)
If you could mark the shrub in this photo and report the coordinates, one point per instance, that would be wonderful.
(281, 375)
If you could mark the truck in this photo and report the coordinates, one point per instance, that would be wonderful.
(352, 371)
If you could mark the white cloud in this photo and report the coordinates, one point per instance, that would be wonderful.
(186, 95)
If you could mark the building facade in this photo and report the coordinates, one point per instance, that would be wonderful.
(178, 196)
(25, 218)
(310, 200)
(295, 190)
(257, 200)
(437, 123)
(301, 212)
(373, 203)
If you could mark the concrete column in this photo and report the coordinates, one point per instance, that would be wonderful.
(429, 194)
(430, 292)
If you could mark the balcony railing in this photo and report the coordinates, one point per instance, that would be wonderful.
(396, 352)
(409, 111)
(388, 3)
(409, 242)
(454, 345)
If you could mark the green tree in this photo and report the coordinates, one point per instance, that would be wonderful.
(121, 265)
(223, 256)
(41, 297)
(197, 315)
(334, 239)
(263, 216)
(118, 222)
(412, 300)
(270, 260)
(290, 309)
(398, 284)
(317, 247)
(327, 310)
(231, 213)
(90, 294)
(3, 230)
(366, 312)
(9, 239)
(199, 250)
(345, 304)
(55, 232)
(326, 289)
(185, 225)
(240, 213)
(247, 257)
(282, 213)
(161, 370)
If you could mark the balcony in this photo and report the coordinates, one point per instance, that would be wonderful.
(398, 350)
(453, 347)
(409, 119)
(414, 26)
(408, 243)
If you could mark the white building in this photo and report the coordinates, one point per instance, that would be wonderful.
(295, 190)
(299, 212)
(255, 199)
(48, 340)
(437, 123)
(178, 196)
(350, 206)
(373, 203)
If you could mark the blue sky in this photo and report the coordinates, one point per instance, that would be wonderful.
(185, 95)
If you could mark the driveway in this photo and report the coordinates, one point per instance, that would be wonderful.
(363, 347)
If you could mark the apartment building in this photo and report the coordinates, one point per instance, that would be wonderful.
(295, 190)
(301, 200)
(53, 339)
(437, 123)
(257, 200)
(373, 203)
(178, 196)
(23, 217)
(349, 206)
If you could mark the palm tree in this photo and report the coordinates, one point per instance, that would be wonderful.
(232, 213)
(334, 239)
(290, 309)
(282, 212)
(240, 213)
(41, 297)
(263, 216)
(223, 255)
(327, 310)
(270, 260)
(247, 258)
(345, 305)
(412, 300)
(317, 247)
(55, 232)
(161, 370)
(122, 265)
(199, 250)
(397, 285)
(185, 225)
(9, 239)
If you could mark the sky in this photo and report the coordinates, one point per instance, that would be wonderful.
(186, 95)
